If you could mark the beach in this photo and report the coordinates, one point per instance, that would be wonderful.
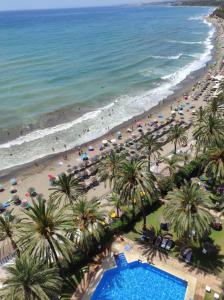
(36, 174)
(63, 87)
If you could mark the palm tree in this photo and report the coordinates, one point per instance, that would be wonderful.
(8, 230)
(209, 132)
(117, 202)
(200, 114)
(109, 166)
(187, 210)
(87, 223)
(30, 279)
(172, 163)
(43, 231)
(215, 163)
(135, 183)
(177, 135)
(214, 108)
(67, 187)
(185, 156)
(152, 146)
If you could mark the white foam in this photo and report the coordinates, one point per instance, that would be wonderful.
(167, 57)
(196, 18)
(184, 42)
(39, 143)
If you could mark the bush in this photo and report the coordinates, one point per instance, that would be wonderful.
(193, 169)
(165, 185)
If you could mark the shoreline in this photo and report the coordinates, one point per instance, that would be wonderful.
(183, 87)
(35, 174)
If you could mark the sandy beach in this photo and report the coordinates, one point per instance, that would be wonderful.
(193, 93)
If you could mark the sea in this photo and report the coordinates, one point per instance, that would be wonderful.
(68, 76)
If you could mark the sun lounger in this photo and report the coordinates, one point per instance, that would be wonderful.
(169, 244)
(208, 289)
(164, 242)
(188, 257)
(216, 296)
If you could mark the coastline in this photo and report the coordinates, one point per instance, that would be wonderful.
(35, 174)
(182, 87)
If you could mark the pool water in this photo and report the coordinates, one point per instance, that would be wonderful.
(139, 281)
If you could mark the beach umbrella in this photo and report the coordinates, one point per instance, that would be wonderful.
(90, 148)
(13, 181)
(13, 190)
(119, 135)
(104, 142)
(51, 177)
(139, 124)
(84, 156)
(114, 141)
(1, 188)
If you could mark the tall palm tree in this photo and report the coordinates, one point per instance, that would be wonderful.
(8, 230)
(30, 279)
(177, 135)
(152, 146)
(172, 163)
(43, 231)
(117, 201)
(215, 163)
(209, 132)
(87, 223)
(200, 114)
(187, 210)
(109, 166)
(214, 108)
(136, 184)
(67, 187)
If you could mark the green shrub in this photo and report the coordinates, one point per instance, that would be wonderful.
(165, 185)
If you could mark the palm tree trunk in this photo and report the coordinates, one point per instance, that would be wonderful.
(54, 253)
(14, 246)
(143, 214)
(175, 147)
(117, 208)
(133, 206)
(149, 162)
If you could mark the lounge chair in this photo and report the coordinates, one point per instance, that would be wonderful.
(208, 289)
(188, 257)
(164, 242)
(216, 296)
(169, 245)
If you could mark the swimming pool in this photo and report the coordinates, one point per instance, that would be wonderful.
(139, 281)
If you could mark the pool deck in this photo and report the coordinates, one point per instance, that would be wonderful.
(196, 279)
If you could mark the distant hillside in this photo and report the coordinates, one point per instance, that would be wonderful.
(200, 2)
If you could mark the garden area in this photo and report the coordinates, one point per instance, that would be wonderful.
(211, 262)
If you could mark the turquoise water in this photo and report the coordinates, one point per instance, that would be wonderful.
(76, 73)
(139, 282)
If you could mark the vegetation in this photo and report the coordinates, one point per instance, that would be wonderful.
(8, 230)
(187, 211)
(63, 233)
(178, 136)
(66, 188)
(31, 279)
